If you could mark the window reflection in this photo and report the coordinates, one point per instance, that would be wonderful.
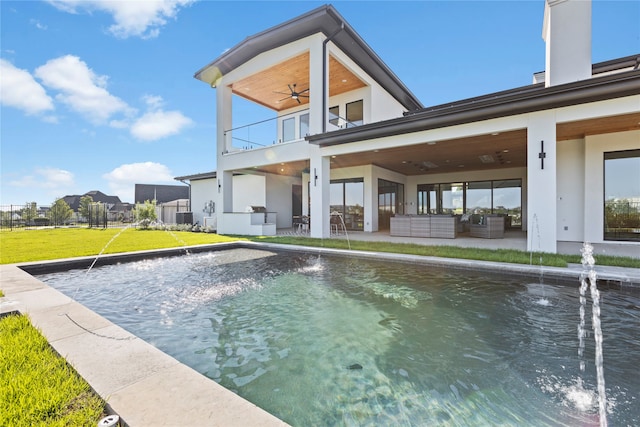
(622, 195)
(473, 198)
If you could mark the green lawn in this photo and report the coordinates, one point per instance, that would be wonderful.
(38, 387)
(38, 245)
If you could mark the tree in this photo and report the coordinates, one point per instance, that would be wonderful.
(84, 209)
(60, 212)
(29, 212)
(145, 213)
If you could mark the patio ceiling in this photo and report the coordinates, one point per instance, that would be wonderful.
(270, 87)
(481, 152)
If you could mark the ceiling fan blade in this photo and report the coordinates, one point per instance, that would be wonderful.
(303, 91)
(298, 99)
(286, 97)
(282, 93)
(292, 89)
(303, 96)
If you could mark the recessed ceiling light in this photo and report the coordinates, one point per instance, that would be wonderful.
(376, 151)
(486, 158)
(282, 170)
(333, 157)
(495, 133)
(431, 143)
(344, 80)
(505, 151)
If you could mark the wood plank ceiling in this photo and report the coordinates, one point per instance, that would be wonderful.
(270, 87)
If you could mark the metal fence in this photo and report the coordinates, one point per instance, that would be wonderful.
(97, 215)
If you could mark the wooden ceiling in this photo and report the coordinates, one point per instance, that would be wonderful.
(270, 87)
(581, 128)
(482, 152)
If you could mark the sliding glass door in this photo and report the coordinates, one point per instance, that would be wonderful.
(390, 202)
(347, 198)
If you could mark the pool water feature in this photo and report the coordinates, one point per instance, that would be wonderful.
(326, 340)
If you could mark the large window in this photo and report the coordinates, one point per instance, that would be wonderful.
(347, 198)
(390, 202)
(622, 195)
(473, 198)
(289, 129)
(334, 115)
(355, 114)
(304, 125)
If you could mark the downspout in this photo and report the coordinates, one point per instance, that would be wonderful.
(324, 76)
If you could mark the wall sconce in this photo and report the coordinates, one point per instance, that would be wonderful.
(315, 177)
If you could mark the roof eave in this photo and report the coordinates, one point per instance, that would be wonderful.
(326, 20)
(501, 104)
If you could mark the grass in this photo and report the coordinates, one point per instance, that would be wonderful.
(498, 255)
(38, 387)
(38, 245)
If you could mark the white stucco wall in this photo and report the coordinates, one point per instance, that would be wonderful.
(570, 190)
(279, 198)
(595, 147)
(202, 191)
(248, 190)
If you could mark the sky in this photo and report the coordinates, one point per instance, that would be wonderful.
(100, 94)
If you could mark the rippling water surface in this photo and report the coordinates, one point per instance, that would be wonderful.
(325, 340)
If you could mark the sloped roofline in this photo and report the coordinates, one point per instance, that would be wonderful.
(511, 102)
(197, 176)
(324, 19)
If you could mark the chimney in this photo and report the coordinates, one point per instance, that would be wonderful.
(567, 33)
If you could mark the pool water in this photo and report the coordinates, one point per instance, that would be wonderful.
(321, 340)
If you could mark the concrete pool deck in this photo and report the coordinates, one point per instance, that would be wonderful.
(145, 386)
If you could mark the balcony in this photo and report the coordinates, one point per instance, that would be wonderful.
(282, 129)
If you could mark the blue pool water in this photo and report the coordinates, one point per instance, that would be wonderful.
(435, 347)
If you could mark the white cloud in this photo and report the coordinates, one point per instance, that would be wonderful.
(142, 18)
(55, 181)
(81, 89)
(38, 24)
(122, 179)
(20, 90)
(154, 102)
(159, 124)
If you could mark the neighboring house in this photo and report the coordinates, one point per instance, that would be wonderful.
(116, 209)
(349, 137)
(96, 196)
(160, 193)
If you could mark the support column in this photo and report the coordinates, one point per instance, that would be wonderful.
(224, 179)
(224, 114)
(315, 86)
(319, 192)
(541, 183)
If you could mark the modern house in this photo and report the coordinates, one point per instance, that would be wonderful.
(558, 159)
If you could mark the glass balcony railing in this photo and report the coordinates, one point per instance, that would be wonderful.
(278, 130)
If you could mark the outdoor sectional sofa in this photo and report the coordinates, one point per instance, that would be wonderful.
(439, 226)
(489, 227)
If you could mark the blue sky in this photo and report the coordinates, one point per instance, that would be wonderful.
(100, 94)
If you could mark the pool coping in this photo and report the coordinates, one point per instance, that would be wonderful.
(145, 386)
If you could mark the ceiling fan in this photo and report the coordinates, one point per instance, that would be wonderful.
(293, 94)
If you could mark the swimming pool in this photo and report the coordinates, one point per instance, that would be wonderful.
(329, 340)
